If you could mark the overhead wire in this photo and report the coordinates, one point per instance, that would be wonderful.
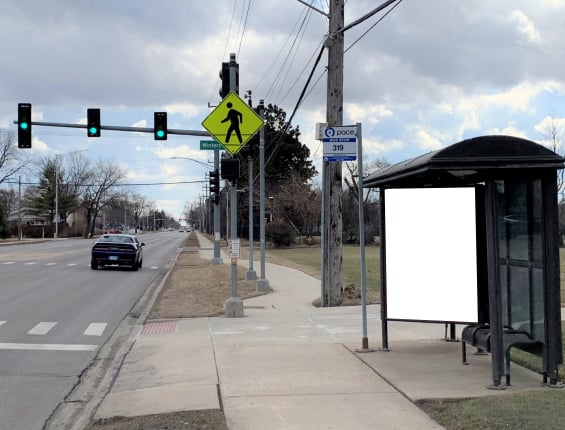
(295, 47)
(303, 94)
(244, 27)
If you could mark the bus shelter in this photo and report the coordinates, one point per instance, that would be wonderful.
(470, 235)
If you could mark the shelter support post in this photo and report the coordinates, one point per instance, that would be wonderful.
(494, 292)
(384, 324)
(553, 351)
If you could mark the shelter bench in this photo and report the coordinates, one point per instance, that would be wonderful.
(478, 335)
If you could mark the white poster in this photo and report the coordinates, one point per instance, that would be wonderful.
(431, 263)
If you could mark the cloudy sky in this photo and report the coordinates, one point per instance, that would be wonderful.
(430, 74)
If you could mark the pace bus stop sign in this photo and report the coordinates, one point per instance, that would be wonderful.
(233, 123)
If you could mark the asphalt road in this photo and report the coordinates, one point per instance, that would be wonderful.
(56, 313)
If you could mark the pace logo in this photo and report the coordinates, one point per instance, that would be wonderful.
(329, 132)
(340, 132)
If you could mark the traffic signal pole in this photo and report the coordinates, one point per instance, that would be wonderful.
(233, 305)
(217, 259)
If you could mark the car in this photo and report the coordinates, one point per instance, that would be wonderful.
(117, 250)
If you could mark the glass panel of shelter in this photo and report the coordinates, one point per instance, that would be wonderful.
(520, 255)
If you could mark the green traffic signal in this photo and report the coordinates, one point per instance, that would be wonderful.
(93, 122)
(24, 125)
(160, 125)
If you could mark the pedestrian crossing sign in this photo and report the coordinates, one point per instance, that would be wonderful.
(232, 123)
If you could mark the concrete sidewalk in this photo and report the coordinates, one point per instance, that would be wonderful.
(287, 364)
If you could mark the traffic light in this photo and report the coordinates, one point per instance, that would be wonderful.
(215, 182)
(24, 125)
(93, 122)
(225, 78)
(160, 125)
(230, 169)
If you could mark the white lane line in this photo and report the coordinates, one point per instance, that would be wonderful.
(2, 322)
(71, 264)
(50, 264)
(47, 347)
(9, 262)
(31, 263)
(95, 329)
(42, 328)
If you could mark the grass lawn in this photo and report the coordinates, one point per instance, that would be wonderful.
(310, 257)
(351, 272)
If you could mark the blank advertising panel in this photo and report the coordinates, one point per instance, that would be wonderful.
(431, 262)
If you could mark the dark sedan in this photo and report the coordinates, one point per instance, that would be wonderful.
(117, 250)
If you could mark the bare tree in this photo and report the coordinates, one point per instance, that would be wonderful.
(11, 160)
(101, 191)
(299, 204)
(137, 204)
(553, 132)
(350, 201)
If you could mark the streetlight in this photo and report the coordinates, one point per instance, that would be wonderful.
(191, 159)
(57, 187)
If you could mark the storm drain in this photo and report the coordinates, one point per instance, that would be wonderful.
(161, 327)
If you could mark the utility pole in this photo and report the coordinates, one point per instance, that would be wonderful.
(332, 171)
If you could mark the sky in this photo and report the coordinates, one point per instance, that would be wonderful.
(426, 75)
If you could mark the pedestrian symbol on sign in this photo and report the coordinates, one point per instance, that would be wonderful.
(235, 118)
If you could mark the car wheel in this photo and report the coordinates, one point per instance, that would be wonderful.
(140, 263)
(93, 264)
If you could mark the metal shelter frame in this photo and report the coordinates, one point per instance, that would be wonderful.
(517, 219)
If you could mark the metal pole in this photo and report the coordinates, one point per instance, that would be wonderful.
(217, 258)
(262, 282)
(251, 275)
(234, 305)
(56, 197)
(365, 339)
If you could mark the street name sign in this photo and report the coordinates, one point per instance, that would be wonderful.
(232, 123)
(210, 145)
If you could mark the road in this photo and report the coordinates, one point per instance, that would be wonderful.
(56, 313)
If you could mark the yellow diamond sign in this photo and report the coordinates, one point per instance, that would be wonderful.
(233, 123)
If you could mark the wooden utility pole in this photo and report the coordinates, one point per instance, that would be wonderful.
(332, 172)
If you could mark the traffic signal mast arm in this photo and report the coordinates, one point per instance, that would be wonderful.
(122, 128)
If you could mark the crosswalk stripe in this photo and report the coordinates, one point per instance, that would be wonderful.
(95, 329)
(42, 328)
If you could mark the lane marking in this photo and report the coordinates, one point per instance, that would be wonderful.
(71, 264)
(50, 264)
(42, 328)
(47, 347)
(2, 322)
(95, 329)
(31, 263)
(9, 262)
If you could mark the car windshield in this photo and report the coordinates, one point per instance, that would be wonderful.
(116, 239)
